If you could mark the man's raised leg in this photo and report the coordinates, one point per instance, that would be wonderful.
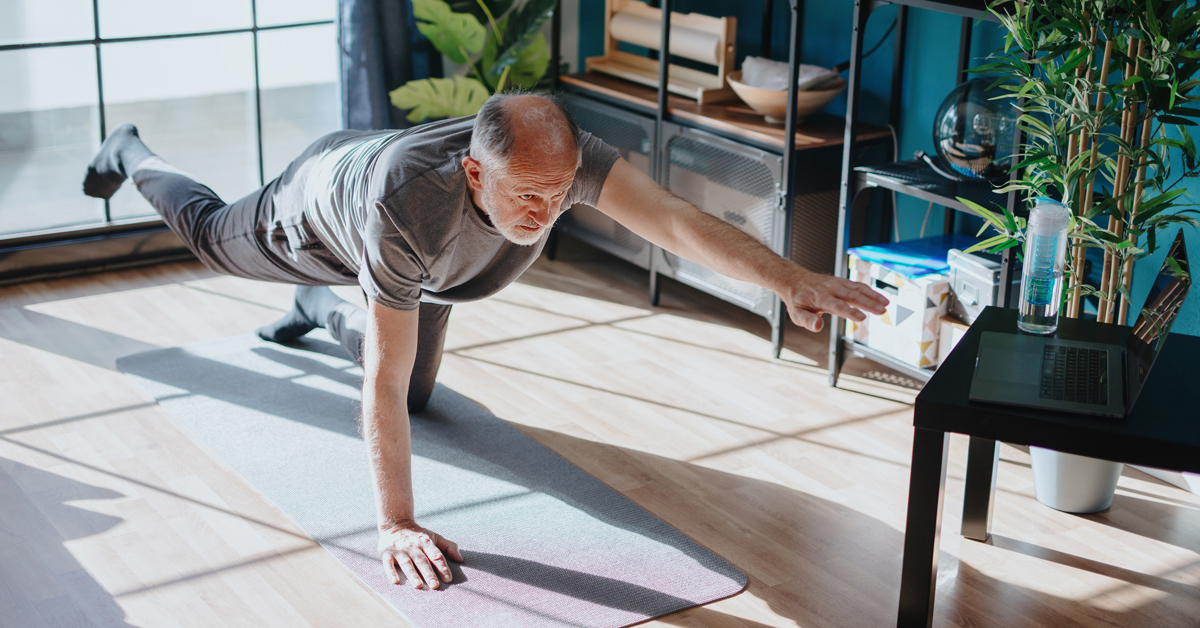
(191, 209)
(226, 237)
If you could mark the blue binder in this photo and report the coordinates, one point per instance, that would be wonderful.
(915, 258)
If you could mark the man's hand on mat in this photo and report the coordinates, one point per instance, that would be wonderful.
(418, 553)
(809, 295)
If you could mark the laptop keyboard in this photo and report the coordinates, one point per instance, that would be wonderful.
(1075, 374)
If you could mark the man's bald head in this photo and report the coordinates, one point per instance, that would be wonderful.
(524, 155)
(524, 126)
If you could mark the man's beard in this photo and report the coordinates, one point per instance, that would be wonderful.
(513, 233)
(517, 235)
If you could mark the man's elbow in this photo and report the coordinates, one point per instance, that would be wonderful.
(385, 390)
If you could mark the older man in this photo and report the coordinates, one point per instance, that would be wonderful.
(447, 212)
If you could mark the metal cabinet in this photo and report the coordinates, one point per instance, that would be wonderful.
(742, 185)
(734, 182)
(632, 135)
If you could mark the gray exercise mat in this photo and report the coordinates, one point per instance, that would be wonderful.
(545, 543)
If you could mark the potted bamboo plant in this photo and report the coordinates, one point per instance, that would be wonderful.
(1104, 88)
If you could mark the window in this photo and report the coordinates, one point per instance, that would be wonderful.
(229, 90)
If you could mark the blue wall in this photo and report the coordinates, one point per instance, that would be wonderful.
(929, 74)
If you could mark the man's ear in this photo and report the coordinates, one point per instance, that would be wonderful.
(474, 172)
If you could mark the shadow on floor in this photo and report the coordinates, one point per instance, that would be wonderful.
(1183, 519)
(44, 584)
(68, 338)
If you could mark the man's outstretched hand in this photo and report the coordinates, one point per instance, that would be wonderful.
(419, 554)
(811, 295)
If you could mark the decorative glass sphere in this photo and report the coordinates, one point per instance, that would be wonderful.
(974, 134)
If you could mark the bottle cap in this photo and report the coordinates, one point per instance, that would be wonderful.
(1047, 200)
(1049, 215)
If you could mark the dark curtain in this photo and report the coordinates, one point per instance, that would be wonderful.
(380, 49)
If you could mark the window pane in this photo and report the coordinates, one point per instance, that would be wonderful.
(272, 12)
(192, 100)
(298, 70)
(132, 18)
(49, 130)
(26, 21)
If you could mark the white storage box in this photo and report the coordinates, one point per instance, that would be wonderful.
(974, 283)
(951, 330)
(908, 330)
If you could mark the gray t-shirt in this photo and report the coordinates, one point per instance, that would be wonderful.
(395, 209)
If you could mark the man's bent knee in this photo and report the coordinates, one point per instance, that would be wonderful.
(418, 401)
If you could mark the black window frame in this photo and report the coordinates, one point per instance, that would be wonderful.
(108, 225)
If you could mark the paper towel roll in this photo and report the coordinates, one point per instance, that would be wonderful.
(688, 43)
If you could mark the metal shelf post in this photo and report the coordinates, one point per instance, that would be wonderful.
(783, 238)
(658, 154)
(837, 326)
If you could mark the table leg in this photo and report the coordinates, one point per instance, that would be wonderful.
(926, 489)
(778, 318)
(983, 460)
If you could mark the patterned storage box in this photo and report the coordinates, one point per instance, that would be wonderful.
(908, 330)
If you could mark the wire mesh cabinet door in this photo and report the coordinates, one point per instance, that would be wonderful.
(631, 135)
(736, 183)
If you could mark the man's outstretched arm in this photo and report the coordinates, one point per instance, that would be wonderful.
(404, 547)
(644, 207)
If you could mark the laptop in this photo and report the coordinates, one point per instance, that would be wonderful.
(1083, 377)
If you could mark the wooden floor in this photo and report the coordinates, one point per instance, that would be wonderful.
(111, 514)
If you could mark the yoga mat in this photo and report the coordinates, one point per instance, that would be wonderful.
(545, 543)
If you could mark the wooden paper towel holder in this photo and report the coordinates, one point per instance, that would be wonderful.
(703, 86)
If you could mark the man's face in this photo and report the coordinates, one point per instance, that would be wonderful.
(523, 198)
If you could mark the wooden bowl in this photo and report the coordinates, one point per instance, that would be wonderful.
(772, 103)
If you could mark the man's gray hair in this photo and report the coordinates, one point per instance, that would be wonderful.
(494, 135)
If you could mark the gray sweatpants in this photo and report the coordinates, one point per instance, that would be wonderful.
(240, 239)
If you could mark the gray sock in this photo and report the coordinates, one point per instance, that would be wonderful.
(120, 155)
(311, 310)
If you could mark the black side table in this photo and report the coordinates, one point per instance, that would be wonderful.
(1162, 431)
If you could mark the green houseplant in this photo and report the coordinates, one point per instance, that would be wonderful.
(1104, 88)
(510, 52)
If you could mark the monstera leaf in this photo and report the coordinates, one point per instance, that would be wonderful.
(515, 53)
(488, 59)
(531, 64)
(528, 68)
(440, 97)
(522, 27)
(495, 7)
(456, 35)
(526, 21)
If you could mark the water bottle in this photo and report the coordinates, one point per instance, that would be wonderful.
(1042, 279)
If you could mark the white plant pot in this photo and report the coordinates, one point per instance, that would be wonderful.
(1073, 483)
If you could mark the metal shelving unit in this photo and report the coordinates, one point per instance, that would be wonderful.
(731, 164)
(918, 180)
(911, 178)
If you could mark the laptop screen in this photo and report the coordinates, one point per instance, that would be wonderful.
(1166, 297)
